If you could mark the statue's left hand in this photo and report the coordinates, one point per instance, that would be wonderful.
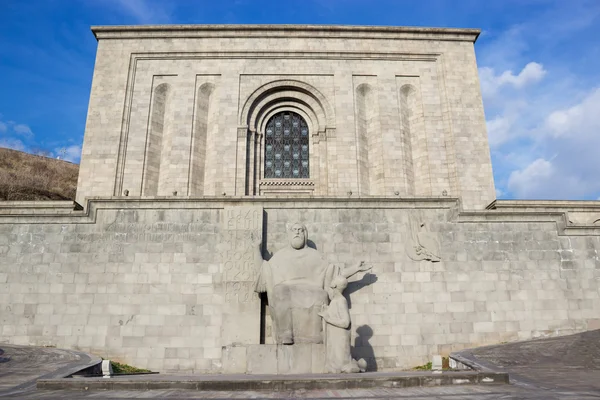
(363, 267)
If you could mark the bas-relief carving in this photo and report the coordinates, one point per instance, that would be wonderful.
(239, 272)
(304, 294)
(423, 245)
(241, 308)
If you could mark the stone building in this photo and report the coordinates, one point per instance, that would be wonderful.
(201, 138)
(386, 111)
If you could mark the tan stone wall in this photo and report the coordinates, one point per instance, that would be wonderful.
(143, 281)
(422, 132)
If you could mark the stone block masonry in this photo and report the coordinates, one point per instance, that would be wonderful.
(144, 281)
(183, 110)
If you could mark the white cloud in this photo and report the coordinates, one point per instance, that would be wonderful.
(3, 127)
(542, 111)
(543, 179)
(567, 142)
(492, 82)
(14, 144)
(525, 183)
(22, 129)
(499, 130)
(582, 118)
(71, 153)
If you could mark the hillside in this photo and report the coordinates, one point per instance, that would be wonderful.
(25, 176)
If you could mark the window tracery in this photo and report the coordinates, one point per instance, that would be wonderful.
(286, 147)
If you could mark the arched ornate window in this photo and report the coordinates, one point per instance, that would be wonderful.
(286, 147)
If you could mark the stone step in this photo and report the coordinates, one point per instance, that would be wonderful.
(279, 382)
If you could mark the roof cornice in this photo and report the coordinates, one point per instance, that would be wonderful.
(287, 31)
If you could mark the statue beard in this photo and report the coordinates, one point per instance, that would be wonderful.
(297, 242)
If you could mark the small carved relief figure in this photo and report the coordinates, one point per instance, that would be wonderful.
(424, 245)
(294, 279)
(337, 330)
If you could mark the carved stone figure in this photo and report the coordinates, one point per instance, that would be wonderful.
(294, 280)
(424, 245)
(337, 317)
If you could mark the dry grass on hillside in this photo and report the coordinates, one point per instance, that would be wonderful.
(26, 176)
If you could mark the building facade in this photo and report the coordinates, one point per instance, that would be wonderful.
(199, 139)
(385, 111)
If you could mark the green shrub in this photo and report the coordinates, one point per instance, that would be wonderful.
(119, 368)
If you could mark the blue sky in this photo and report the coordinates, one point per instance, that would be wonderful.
(539, 65)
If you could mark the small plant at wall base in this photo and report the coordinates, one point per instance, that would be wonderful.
(119, 368)
(427, 367)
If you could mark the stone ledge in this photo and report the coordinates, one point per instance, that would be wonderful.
(39, 207)
(545, 205)
(89, 215)
(93, 204)
(285, 31)
(279, 382)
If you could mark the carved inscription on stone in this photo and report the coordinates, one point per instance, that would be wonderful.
(240, 225)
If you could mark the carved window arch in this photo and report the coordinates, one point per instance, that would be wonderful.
(286, 147)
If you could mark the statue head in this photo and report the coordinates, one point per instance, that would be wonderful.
(339, 283)
(298, 235)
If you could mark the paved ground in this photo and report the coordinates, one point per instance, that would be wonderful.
(562, 363)
(557, 368)
(21, 366)
(443, 392)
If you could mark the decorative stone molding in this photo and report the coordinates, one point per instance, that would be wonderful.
(286, 186)
(292, 89)
(284, 182)
(285, 31)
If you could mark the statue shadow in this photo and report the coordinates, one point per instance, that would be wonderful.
(3, 359)
(363, 349)
(311, 244)
(366, 280)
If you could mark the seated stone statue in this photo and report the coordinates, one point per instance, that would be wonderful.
(337, 317)
(294, 280)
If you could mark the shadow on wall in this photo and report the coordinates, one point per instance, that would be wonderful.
(363, 349)
(366, 280)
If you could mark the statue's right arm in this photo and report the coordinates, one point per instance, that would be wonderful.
(359, 267)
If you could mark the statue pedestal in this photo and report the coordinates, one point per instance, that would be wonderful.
(274, 359)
